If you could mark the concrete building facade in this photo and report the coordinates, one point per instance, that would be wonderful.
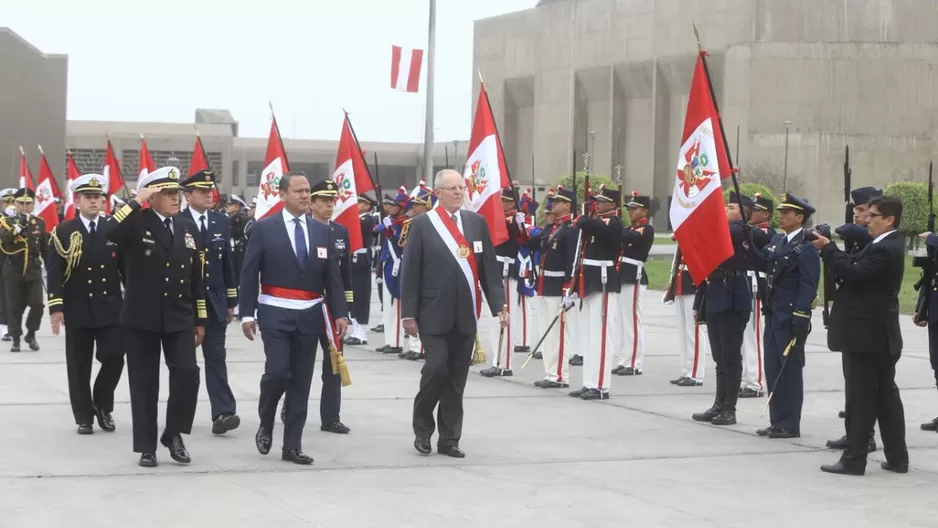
(33, 88)
(816, 74)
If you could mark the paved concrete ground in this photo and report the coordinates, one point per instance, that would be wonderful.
(534, 456)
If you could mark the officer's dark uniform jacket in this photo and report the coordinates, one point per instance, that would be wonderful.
(637, 240)
(23, 249)
(792, 272)
(507, 251)
(85, 274)
(761, 236)
(165, 291)
(217, 264)
(557, 244)
(602, 237)
(362, 257)
(728, 287)
(341, 245)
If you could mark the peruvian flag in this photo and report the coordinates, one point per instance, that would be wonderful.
(146, 165)
(698, 213)
(26, 176)
(486, 172)
(46, 170)
(275, 165)
(112, 173)
(405, 69)
(199, 162)
(71, 173)
(45, 196)
(352, 179)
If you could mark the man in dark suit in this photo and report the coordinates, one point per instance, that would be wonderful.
(291, 258)
(24, 239)
(449, 254)
(865, 319)
(84, 282)
(221, 292)
(157, 244)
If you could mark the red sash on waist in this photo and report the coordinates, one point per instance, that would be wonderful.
(289, 293)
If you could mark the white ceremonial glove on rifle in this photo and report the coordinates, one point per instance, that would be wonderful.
(569, 299)
(519, 218)
(386, 221)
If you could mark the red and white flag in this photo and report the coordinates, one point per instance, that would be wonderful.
(71, 173)
(45, 195)
(352, 180)
(199, 162)
(405, 68)
(146, 165)
(698, 213)
(112, 174)
(26, 176)
(275, 166)
(486, 172)
(45, 169)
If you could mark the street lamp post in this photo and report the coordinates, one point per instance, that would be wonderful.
(785, 170)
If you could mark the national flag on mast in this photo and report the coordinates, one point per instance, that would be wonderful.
(486, 172)
(275, 166)
(112, 173)
(45, 195)
(26, 176)
(146, 165)
(698, 212)
(405, 69)
(71, 173)
(46, 170)
(352, 179)
(199, 162)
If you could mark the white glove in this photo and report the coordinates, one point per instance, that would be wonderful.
(386, 221)
(570, 299)
(519, 218)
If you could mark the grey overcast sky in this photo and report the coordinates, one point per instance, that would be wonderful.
(131, 60)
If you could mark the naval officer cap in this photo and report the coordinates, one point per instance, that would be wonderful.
(164, 178)
(203, 179)
(746, 201)
(24, 195)
(324, 189)
(235, 199)
(790, 202)
(7, 194)
(89, 184)
(865, 195)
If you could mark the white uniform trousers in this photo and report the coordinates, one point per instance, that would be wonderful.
(753, 370)
(391, 318)
(630, 345)
(596, 338)
(513, 332)
(557, 345)
(692, 341)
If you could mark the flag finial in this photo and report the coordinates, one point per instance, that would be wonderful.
(479, 72)
(40, 150)
(697, 36)
(141, 135)
(22, 152)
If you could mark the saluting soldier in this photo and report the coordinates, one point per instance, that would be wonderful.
(157, 243)
(598, 286)
(84, 282)
(221, 292)
(362, 273)
(759, 212)
(793, 270)
(24, 240)
(637, 239)
(558, 246)
(392, 227)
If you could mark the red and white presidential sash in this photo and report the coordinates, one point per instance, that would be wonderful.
(462, 252)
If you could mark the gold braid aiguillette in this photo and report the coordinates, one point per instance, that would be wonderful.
(72, 254)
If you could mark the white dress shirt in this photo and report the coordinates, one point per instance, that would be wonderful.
(793, 234)
(97, 222)
(884, 235)
(163, 221)
(196, 215)
(291, 229)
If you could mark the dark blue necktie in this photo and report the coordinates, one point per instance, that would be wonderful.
(299, 241)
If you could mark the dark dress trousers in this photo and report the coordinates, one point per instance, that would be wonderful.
(87, 291)
(290, 336)
(436, 294)
(164, 300)
(865, 321)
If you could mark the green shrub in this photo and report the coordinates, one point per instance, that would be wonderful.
(750, 189)
(914, 198)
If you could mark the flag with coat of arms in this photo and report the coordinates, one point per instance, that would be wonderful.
(352, 179)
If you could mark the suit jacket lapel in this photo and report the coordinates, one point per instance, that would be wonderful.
(153, 223)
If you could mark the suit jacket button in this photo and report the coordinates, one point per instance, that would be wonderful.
(103, 280)
(180, 296)
(167, 264)
(182, 281)
(165, 294)
(102, 266)
(167, 279)
(89, 281)
(208, 274)
(89, 268)
(90, 295)
(104, 292)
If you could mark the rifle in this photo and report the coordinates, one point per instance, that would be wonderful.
(829, 279)
(928, 262)
(672, 279)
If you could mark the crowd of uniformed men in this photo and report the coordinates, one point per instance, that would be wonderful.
(575, 280)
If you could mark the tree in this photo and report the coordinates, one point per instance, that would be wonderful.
(750, 189)
(914, 198)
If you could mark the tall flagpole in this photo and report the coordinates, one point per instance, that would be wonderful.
(428, 118)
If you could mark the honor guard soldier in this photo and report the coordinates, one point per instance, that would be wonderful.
(558, 246)
(421, 201)
(221, 294)
(157, 244)
(598, 286)
(391, 228)
(527, 276)
(637, 239)
(9, 209)
(759, 212)
(84, 283)
(538, 309)
(724, 301)
(793, 270)
(24, 241)
(692, 342)
(362, 274)
(507, 255)
(237, 220)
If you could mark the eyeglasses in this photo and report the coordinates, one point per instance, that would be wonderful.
(454, 188)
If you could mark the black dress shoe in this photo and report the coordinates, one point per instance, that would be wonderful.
(378, 329)
(838, 468)
(147, 460)
(507, 373)
(840, 443)
(355, 341)
(262, 440)
(594, 394)
(765, 431)
(783, 433)
(422, 445)
(898, 468)
(224, 423)
(382, 348)
(451, 451)
(6, 337)
(673, 382)
(689, 382)
(177, 449)
(551, 384)
(15, 347)
(577, 393)
(930, 426)
(842, 414)
(576, 361)
(724, 418)
(629, 371)
(707, 415)
(335, 427)
(490, 372)
(31, 341)
(750, 393)
(392, 350)
(296, 456)
(105, 421)
(523, 349)
(85, 429)
(411, 355)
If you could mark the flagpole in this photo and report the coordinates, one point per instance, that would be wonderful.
(428, 117)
